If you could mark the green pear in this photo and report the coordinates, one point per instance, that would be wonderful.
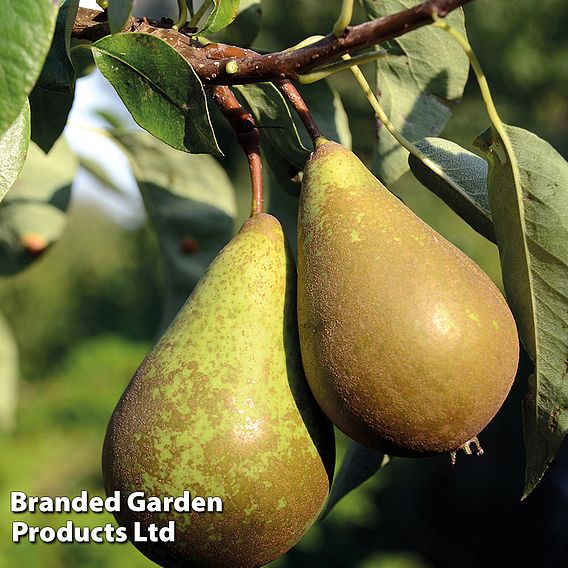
(407, 345)
(221, 407)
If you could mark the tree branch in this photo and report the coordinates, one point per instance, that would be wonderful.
(209, 62)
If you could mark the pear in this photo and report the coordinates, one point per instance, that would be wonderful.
(221, 407)
(408, 346)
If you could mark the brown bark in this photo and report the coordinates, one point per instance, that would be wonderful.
(209, 62)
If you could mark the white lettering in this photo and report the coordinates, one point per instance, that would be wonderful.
(183, 504)
(47, 534)
(46, 504)
(96, 504)
(82, 534)
(136, 502)
(168, 534)
(66, 533)
(198, 504)
(154, 505)
(18, 529)
(32, 502)
(18, 502)
(214, 505)
(137, 535)
(95, 534)
(112, 504)
(121, 535)
(80, 504)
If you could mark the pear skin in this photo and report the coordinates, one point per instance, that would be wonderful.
(408, 346)
(221, 407)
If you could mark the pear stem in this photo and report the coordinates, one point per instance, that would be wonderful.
(248, 137)
(296, 100)
(255, 168)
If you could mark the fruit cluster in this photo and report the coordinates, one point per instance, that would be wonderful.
(406, 345)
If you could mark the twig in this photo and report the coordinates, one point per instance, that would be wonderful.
(296, 100)
(256, 68)
(248, 137)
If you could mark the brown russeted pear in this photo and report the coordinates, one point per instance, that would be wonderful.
(221, 407)
(407, 345)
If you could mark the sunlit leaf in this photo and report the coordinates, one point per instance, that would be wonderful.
(26, 29)
(172, 105)
(223, 13)
(14, 144)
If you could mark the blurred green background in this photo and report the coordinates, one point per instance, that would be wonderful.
(86, 314)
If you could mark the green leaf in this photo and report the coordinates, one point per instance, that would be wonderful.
(14, 144)
(9, 376)
(58, 74)
(26, 29)
(275, 121)
(118, 13)
(359, 464)
(223, 13)
(245, 28)
(467, 196)
(191, 203)
(50, 112)
(32, 216)
(424, 69)
(531, 225)
(170, 105)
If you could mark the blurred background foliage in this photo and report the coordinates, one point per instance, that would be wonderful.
(86, 313)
